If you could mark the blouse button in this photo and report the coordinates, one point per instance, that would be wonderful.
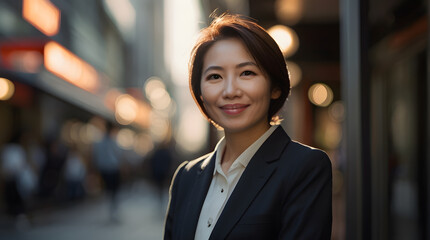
(222, 190)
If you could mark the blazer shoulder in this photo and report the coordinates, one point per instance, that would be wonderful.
(305, 154)
(306, 148)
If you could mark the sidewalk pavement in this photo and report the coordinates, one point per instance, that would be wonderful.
(141, 216)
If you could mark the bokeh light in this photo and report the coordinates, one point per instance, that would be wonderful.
(43, 15)
(320, 94)
(160, 99)
(337, 111)
(191, 135)
(27, 61)
(75, 129)
(125, 109)
(160, 128)
(152, 84)
(69, 67)
(7, 89)
(157, 94)
(126, 138)
(286, 38)
(143, 144)
(289, 11)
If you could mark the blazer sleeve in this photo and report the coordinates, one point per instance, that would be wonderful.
(171, 208)
(307, 210)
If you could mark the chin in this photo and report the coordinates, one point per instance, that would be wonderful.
(234, 128)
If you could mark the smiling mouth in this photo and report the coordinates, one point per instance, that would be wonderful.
(234, 108)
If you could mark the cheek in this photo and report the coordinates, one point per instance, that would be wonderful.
(203, 91)
(208, 106)
(260, 92)
(206, 98)
(208, 93)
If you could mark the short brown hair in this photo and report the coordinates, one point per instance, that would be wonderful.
(260, 45)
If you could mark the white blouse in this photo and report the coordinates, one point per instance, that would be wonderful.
(222, 185)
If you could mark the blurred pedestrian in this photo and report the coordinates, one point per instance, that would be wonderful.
(36, 153)
(107, 156)
(74, 174)
(19, 179)
(50, 176)
(257, 184)
(161, 162)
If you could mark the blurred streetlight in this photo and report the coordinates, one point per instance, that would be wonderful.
(7, 89)
(157, 94)
(160, 128)
(70, 67)
(126, 138)
(125, 109)
(289, 11)
(320, 94)
(43, 15)
(286, 38)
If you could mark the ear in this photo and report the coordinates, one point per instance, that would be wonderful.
(276, 93)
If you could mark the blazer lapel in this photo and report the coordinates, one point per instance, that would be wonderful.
(200, 189)
(258, 171)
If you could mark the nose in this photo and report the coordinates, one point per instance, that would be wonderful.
(231, 88)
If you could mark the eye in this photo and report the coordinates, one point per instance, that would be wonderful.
(213, 77)
(248, 73)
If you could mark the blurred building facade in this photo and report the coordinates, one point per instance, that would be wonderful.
(385, 62)
(67, 68)
(94, 57)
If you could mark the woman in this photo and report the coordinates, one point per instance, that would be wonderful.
(257, 184)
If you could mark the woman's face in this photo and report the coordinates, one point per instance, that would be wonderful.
(235, 92)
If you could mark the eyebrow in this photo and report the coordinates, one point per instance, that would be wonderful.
(240, 65)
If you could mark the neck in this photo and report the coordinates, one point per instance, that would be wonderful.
(237, 142)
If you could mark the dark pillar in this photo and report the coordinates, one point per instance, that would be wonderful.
(356, 97)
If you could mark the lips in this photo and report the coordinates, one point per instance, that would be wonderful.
(233, 109)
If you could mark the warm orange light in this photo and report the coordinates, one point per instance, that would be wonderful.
(286, 38)
(289, 11)
(191, 135)
(69, 67)
(110, 98)
(26, 61)
(126, 109)
(320, 95)
(7, 89)
(126, 138)
(159, 129)
(42, 14)
(129, 110)
(143, 114)
(157, 94)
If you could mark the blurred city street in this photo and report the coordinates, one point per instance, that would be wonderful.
(141, 216)
(96, 111)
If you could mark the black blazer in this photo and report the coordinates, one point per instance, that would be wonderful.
(284, 193)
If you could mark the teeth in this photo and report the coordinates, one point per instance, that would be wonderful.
(234, 107)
